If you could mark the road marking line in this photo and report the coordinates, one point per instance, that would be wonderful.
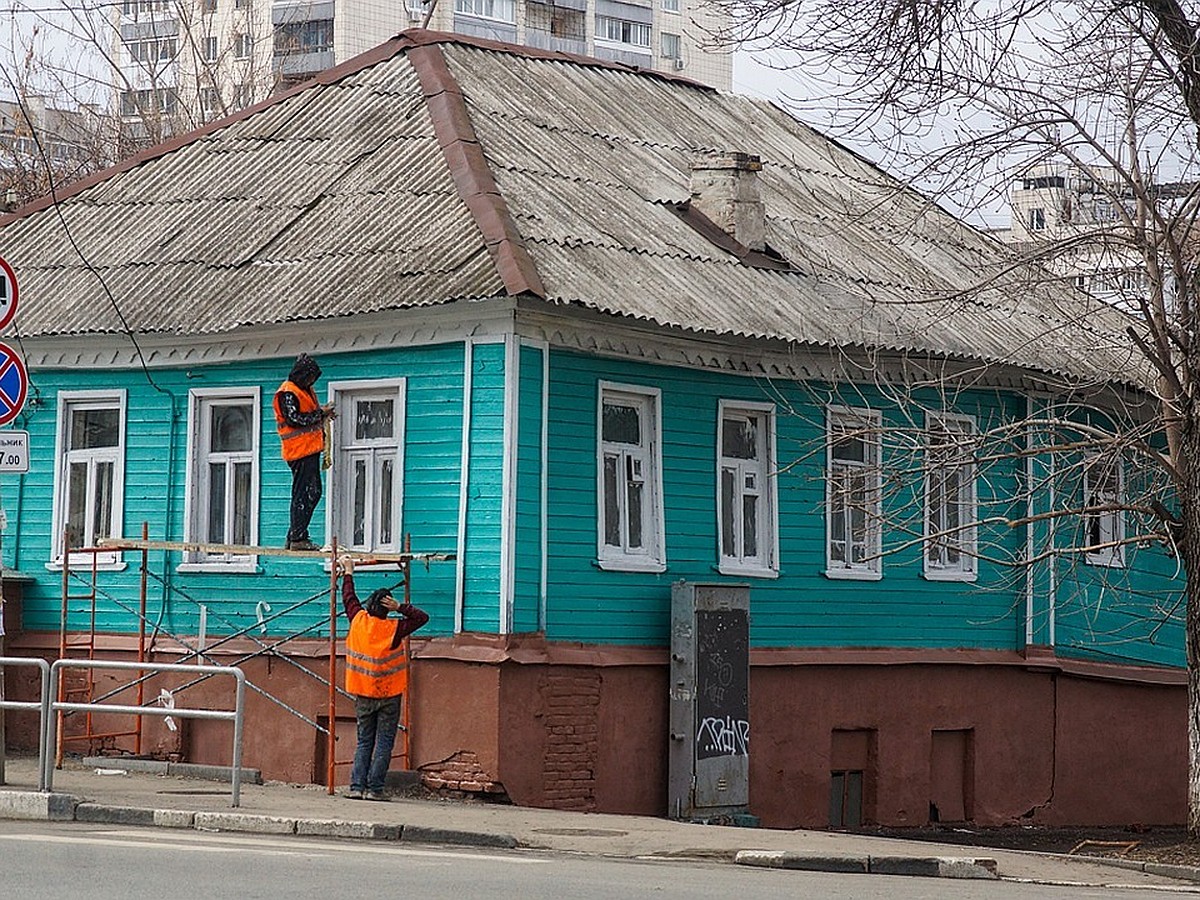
(292, 844)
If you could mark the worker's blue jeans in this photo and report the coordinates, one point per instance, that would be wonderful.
(377, 720)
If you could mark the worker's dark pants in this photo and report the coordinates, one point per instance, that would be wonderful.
(306, 491)
(377, 718)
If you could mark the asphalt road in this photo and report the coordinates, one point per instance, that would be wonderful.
(39, 861)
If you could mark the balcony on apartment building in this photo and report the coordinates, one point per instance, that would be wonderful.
(147, 20)
(624, 32)
(494, 20)
(560, 25)
(303, 38)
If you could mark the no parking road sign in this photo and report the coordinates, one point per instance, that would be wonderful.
(14, 384)
(8, 293)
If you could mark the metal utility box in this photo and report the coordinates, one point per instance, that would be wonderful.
(709, 759)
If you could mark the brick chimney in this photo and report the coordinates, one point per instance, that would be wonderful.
(725, 190)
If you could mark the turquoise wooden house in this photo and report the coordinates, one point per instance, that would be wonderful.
(596, 331)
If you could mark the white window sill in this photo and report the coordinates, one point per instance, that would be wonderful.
(239, 567)
(118, 566)
(1104, 562)
(948, 575)
(481, 18)
(643, 49)
(631, 565)
(746, 571)
(853, 575)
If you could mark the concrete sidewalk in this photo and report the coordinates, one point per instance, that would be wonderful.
(108, 792)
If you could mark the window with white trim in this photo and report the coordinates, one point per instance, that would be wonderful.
(622, 31)
(630, 493)
(950, 498)
(366, 486)
(671, 46)
(502, 10)
(746, 520)
(670, 5)
(1103, 517)
(852, 493)
(90, 476)
(223, 471)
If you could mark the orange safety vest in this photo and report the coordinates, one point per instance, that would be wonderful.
(298, 443)
(373, 668)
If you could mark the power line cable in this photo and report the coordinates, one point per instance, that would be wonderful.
(54, 201)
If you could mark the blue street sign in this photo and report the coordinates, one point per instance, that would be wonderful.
(14, 384)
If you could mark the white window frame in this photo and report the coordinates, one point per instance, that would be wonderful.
(765, 563)
(67, 402)
(667, 37)
(614, 31)
(966, 537)
(495, 10)
(651, 557)
(672, 6)
(1111, 523)
(869, 420)
(339, 493)
(200, 401)
(211, 49)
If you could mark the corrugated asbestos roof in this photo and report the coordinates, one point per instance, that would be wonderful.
(436, 169)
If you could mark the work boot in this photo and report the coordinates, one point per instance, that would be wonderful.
(305, 544)
(376, 795)
(354, 794)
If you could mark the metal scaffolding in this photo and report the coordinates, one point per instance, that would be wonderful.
(85, 580)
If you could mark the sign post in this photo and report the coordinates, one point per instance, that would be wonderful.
(14, 451)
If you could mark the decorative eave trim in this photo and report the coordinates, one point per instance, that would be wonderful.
(471, 173)
(416, 327)
(589, 331)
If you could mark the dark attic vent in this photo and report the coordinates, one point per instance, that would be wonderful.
(726, 208)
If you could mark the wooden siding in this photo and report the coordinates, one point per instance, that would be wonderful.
(484, 521)
(528, 555)
(802, 607)
(155, 473)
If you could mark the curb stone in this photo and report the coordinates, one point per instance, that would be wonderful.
(424, 835)
(36, 805)
(1167, 870)
(811, 862)
(927, 866)
(213, 821)
(342, 829)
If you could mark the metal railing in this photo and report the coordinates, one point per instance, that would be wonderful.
(42, 706)
(235, 715)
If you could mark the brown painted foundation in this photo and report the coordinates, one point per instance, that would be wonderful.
(837, 736)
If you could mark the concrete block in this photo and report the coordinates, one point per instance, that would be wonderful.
(924, 866)
(342, 829)
(231, 821)
(424, 835)
(37, 805)
(113, 815)
(795, 859)
(129, 764)
(1183, 873)
(174, 818)
(968, 867)
(222, 774)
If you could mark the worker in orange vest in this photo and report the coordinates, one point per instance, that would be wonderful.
(377, 676)
(300, 419)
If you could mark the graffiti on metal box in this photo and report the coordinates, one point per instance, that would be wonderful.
(723, 736)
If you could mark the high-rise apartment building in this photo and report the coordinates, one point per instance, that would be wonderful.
(181, 63)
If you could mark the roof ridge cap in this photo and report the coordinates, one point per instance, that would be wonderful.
(471, 172)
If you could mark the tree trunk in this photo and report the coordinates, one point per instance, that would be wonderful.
(1189, 550)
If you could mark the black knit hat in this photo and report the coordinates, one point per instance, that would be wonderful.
(375, 605)
(305, 371)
